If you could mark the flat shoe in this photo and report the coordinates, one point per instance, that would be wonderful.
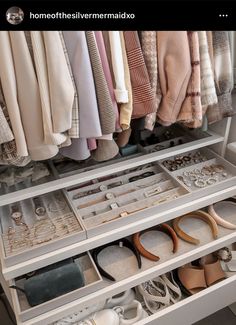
(212, 268)
(192, 278)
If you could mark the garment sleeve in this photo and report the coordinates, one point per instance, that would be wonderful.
(121, 92)
(174, 70)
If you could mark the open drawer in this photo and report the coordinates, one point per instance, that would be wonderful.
(92, 279)
(36, 226)
(159, 196)
(121, 198)
(113, 260)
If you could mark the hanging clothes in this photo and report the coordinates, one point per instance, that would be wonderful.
(73, 132)
(6, 134)
(8, 150)
(208, 90)
(29, 99)
(9, 86)
(106, 112)
(44, 81)
(149, 48)
(107, 73)
(118, 66)
(175, 71)
(191, 109)
(89, 122)
(143, 96)
(223, 77)
(126, 109)
(61, 87)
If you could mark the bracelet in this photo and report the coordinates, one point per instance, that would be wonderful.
(122, 242)
(198, 215)
(163, 228)
(219, 220)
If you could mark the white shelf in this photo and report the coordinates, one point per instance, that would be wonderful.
(150, 217)
(131, 277)
(196, 307)
(23, 194)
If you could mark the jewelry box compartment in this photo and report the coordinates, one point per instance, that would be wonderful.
(109, 204)
(17, 178)
(201, 171)
(92, 282)
(38, 225)
(163, 138)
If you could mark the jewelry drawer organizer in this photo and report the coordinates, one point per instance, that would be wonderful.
(108, 201)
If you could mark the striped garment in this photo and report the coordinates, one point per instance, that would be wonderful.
(6, 134)
(126, 109)
(73, 132)
(149, 48)
(208, 90)
(106, 112)
(143, 96)
(223, 77)
(8, 150)
(191, 110)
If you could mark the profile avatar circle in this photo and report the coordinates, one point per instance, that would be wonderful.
(14, 15)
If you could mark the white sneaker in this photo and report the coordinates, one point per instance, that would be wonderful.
(124, 298)
(81, 314)
(102, 317)
(130, 314)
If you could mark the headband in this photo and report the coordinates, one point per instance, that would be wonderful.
(122, 242)
(163, 228)
(198, 215)
(219, 220)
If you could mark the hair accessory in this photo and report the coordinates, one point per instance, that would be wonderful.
(122, 242)
(163, 228)
(219, 220)
(198, 215)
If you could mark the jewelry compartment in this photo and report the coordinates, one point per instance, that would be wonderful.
(15, 178)
(201, 170)
(93, 282)
(107, 205)
(38, 225)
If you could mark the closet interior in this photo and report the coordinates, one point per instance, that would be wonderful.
(117, 176)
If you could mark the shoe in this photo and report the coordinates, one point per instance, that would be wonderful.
(78, 316)
(130, 314)
(102, 317)
(124, 298)
(191, 279)
(173, 287)
(155, 295)
(212, 268)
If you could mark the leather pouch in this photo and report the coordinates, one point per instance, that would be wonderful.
(53, 281)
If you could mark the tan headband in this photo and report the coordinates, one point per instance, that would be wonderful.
(163, 228)
(198, 215)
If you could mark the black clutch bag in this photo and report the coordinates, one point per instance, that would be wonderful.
(52, 281)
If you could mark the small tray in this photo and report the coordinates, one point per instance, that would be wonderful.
(61, 223)
(224, 174)
(93, 282)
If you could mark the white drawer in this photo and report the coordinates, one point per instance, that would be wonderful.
(113, 261)
(196, 307)
(93, 282)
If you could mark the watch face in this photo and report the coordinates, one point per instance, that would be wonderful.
(16, 216)
(40, 211)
